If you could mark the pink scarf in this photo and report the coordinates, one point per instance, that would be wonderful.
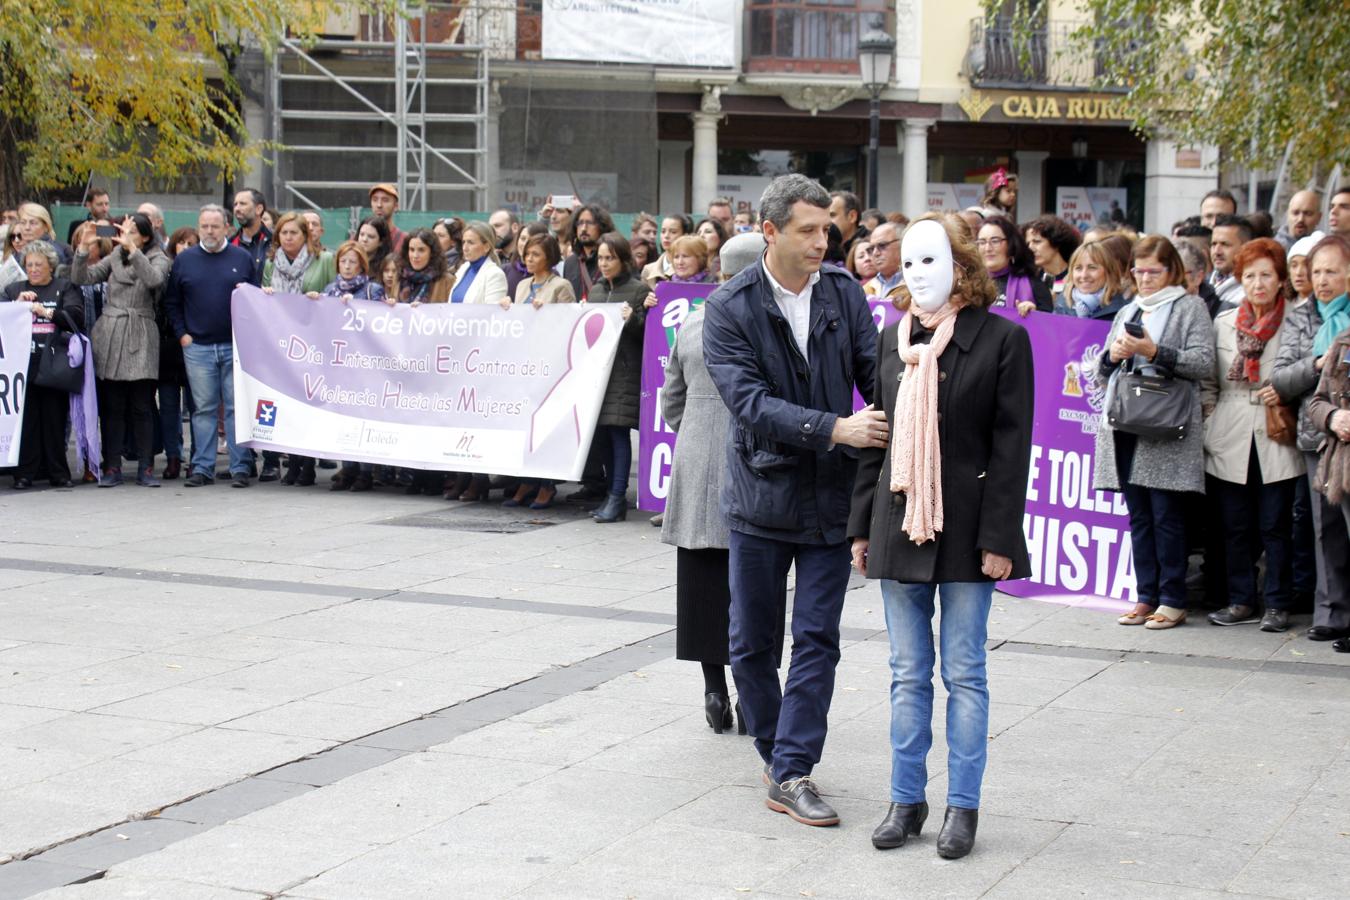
(916, 457)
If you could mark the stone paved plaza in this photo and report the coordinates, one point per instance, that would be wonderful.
(283, 692)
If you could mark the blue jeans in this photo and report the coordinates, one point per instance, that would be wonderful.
(617, 458)
(788, 723)
(1157, 534)
(210, 371)
(963, 632)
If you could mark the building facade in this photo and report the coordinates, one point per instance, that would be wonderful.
(646, 105)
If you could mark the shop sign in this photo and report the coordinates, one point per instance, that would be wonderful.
(1070, 107)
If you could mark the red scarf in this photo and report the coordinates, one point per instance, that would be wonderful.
(1252, 335)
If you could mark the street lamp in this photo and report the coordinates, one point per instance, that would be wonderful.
(876, 49)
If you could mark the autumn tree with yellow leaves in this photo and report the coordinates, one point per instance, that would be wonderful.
(1260, 79)
(92, 87)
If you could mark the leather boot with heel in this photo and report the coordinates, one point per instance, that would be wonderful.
(957, 836)
(717, 709)
(902, 820)
(614, 509)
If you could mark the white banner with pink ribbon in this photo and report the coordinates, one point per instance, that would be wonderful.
(437, 386)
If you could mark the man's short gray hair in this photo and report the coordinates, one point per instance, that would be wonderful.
(215, 208)
(43, 249)
(784, 192)
(1193, 259)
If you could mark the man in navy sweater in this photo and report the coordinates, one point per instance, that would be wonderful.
(198, 303)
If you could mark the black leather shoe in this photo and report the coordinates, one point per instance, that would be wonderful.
(1341, 645)
(740, 719)
(587, 493)
(901, 821)
(239, 481)
(1327, 633)
(800, 799)
(269, 473)
(22, 484)
(197, 479)
(717, 709)
(957, 836)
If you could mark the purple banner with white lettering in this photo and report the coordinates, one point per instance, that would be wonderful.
(1078, 538)
(470, 388)
(656, 442)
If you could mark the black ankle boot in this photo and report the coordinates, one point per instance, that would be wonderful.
(307, 476)
(740, 719)
(292, 471)
(717, 709)
(901, 821)
(614, 509)
(957, 836)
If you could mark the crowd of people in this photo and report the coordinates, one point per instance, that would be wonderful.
(1254, 486)
(1225, 374)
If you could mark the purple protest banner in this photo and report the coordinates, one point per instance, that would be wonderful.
(656, 442)
(16, 336)
(1078, 538)
(445, 386)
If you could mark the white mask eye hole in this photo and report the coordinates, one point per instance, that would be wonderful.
(928, 260)
(908, 263)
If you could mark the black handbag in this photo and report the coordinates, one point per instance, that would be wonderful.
(1157, 407)
(54, 370)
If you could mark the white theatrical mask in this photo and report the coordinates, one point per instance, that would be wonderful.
(926, 261)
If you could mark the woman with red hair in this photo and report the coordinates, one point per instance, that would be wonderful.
(1253, 476)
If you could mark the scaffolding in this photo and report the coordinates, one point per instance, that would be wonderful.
(425, 102)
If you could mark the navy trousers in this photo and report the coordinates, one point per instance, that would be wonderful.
(788, 724)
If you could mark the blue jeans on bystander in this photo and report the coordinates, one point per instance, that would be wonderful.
(210, 371)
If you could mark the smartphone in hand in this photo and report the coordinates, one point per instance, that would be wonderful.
(1135, 329)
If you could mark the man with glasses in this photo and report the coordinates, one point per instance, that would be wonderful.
(884, 245)
(582, 267)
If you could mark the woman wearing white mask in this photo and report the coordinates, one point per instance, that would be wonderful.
(940, 512)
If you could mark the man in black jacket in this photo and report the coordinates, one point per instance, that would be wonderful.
(786, 341)
(581, 267)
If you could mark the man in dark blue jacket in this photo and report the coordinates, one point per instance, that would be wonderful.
(197, 300)
(786, 341)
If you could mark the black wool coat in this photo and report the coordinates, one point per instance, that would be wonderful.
(623, 394)
(986, 395)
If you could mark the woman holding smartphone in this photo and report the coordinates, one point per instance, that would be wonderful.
(1164, 330)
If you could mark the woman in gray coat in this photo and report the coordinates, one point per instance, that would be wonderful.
(1297, 370)
(1154, 475)
(693, 522)
(126, 342)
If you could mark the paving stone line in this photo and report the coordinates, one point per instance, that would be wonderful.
(89, 856)
(606, 613)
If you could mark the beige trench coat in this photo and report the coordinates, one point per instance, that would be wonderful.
(1234, 417)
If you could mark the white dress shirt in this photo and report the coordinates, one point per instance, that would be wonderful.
(796, 308)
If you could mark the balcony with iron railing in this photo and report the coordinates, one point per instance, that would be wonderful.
(1047, 56)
